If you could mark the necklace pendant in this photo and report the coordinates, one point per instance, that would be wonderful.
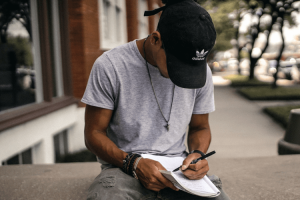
(168, 127)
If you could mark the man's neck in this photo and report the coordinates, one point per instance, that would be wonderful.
(148, 56)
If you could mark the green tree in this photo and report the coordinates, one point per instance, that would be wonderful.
(278, 11)
(219, 11)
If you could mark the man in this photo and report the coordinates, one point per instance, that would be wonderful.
(141, 97)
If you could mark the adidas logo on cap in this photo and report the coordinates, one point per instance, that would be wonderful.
(200, 55)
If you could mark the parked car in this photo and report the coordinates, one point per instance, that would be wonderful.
(290, 68)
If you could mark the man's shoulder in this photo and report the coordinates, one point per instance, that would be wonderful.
(117, 55)
(121, 59)
(121, 51)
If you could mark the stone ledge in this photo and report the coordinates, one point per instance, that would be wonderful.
(59, 181)
(273, 178)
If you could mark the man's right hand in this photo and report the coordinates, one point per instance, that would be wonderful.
(150, 176)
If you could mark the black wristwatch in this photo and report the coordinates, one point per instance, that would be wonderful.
(197, 151)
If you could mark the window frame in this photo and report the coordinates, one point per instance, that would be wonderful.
(16, 116)
(112, 42)
(143, 22)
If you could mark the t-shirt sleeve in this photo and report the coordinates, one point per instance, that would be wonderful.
(102, 85)
(205, 102)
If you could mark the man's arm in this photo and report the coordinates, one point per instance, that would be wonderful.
(199, 138)
(96, 123)
(96, 140)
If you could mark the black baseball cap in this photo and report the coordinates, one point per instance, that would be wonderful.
(188, 35)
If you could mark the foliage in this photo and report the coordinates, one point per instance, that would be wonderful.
(22, 48)
(244, 54)
(280, 113)
(244, 81)
(81, 156)
(219, 11)
(235, 77)
(278, 11)
(268, 93)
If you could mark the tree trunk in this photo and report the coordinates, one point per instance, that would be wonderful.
(238, 48)
(239, 59)
(253, 62)
(274, 85)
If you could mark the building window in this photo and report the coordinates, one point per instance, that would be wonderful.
(112, 15)
(35, 77)
(19, 65)
(143, 21)
(24, 157)
(61, 145)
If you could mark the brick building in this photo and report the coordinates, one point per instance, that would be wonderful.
(41, 117)
(97, 26)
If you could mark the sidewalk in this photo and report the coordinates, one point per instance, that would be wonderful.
(240, 129)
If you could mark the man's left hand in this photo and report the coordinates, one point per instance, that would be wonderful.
(194, 171)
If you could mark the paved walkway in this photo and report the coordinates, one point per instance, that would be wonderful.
(240, 129)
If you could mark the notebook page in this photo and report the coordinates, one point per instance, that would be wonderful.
(170, 163)
(170, 177)
(208, 181)
(198, 186)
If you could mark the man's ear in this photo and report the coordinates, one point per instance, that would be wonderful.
(155, 38)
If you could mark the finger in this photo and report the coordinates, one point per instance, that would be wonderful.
(154, 187)
(152, 182)
(199, 170)
(166, 182)
(199, 165)
(192, 175)
(161, 179)
(188, 160)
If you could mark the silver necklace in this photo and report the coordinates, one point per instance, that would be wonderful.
(167, 121)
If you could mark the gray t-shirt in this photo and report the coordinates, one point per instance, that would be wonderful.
(119, 81)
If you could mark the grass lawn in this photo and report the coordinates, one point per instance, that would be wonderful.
(243, 81)
(268, 93)
(280, 113)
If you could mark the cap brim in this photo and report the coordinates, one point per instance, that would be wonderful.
(191, 74)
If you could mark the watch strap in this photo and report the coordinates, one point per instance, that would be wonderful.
(197, 151)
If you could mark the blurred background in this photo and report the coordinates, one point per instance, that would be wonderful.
(48, 48)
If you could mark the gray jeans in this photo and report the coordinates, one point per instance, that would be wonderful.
(113, 184)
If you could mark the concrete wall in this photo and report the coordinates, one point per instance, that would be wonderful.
(38, 135)
(271, 178)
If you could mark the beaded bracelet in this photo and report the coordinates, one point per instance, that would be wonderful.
(131, 163)
(135, 166)
(128, 163)
(125, 162)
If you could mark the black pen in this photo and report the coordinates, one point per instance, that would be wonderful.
(196, 160)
